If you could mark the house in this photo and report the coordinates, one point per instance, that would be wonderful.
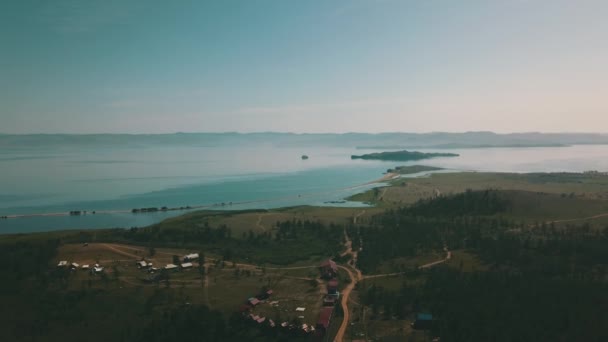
(424, 321)
(170, 267)
(62, 263)
(186, 265)
(85, 267)
(253, 301)
(332, 287)
(328, 269)
(97, 269)
(191, 257)
(141, 264)
(75, 265)
(299, 309)
(324, 319)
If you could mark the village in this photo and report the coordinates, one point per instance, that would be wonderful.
(308, 311)
(300, 300)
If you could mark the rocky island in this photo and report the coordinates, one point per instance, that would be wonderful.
(402, 155)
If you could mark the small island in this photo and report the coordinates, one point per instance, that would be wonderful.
(402, 155)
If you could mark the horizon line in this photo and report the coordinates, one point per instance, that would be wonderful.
(309, 133)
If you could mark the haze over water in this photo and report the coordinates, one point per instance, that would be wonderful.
(102, 177)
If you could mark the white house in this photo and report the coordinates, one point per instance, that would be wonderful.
(170, 267)
(191, 257)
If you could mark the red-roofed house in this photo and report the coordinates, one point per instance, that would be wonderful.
(328, 269)
(324, 318)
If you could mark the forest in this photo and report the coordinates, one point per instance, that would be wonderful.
(539, 282)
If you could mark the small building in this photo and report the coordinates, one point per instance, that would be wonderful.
(75, 265)
(85, 267)
(261, 320)
(324, 319)
(328, 269)
(191, 257)
(62, 263)
(424, 321)
(186, 265)
(98, 269)
(332, 287)
(253, 301)
(141, 264)
(300, 309)
(170, 267)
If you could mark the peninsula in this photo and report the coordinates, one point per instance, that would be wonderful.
(402, 155)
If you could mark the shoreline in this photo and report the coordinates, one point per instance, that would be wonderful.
(387, 177)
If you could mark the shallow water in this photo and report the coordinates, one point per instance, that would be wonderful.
(44, 180)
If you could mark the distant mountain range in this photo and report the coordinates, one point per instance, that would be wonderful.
(379, 141)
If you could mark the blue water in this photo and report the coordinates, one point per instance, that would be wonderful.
(94, 177)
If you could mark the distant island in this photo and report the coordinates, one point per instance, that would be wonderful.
(402, 155)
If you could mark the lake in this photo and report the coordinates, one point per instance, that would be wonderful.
(114, 179)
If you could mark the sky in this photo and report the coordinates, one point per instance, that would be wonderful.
(123, 66)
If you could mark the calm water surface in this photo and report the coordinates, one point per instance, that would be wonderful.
(39, 180)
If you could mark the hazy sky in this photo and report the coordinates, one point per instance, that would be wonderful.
(303, 66)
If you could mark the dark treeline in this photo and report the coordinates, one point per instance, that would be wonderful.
(428, 225)
(276, 245)
(498, 306)
(537, 283)
(487, 202)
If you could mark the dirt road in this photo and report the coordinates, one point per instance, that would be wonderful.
(345, 297)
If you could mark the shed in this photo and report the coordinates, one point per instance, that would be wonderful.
(254, 301)
(75, 265)
(85, 267)
(186, 265)
(170, 267)
(141, 264)
(191, 257)
(98, 269)
(62, 263)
